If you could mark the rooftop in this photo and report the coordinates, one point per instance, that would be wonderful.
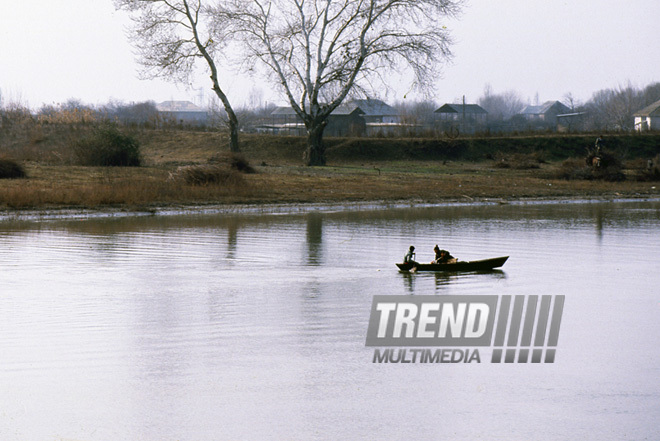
(543, 108)
(178, 106)
(460, 108)
(344, 109)
(652, 110)
(374, 107)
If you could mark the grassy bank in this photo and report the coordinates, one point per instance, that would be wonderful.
(419, 170)
(289, 149)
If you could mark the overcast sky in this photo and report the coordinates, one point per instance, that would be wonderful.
(54, 50)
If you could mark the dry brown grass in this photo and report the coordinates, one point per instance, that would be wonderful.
(645, 170)
(232, 161)
(280, 177)
(69, 186)
(520, 161)
(206, 174)
(57, 186)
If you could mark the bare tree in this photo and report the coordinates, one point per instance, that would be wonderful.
(416, 117)
(613, 109)
(171, 35)
(572, 101)
(501, 106)
(319, 51)
(651, 94)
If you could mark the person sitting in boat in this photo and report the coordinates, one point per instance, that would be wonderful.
(443, 256)
(436, 250)
(410, 256)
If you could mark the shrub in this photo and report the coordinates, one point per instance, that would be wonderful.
(10, 169)
(606, 167)
(574, 168)
(204, 174)
(234, 161)
(107, 146)
(577, 169)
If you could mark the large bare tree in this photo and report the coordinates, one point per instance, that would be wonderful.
(170, 36)
(319, 51)
(501, 106)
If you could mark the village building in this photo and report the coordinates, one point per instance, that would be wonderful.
(571, 122)
(464, 117)
(648, 118)
(380, 117)
(345, 120)
(376, 111)
(182, 113)
(546, 113)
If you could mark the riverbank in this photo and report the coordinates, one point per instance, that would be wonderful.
(352, 178)
(279, 209)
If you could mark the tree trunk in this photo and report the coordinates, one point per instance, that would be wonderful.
(192, 16)
(233, 130)
(315, 153)
(231, 116)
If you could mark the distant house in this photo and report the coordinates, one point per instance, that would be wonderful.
(182, 112)
(345, 120)
(380, 117)
(283, 121)
(466, 116)
(648, 118)
(376, 111)
(545, 113)
(568, 122)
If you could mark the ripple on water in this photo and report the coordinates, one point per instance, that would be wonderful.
(186, 328)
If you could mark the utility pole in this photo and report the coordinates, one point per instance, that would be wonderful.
(463, 128)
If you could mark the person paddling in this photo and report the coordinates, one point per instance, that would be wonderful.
(410, 257)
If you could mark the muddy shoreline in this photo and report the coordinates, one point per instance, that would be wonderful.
(82, 213)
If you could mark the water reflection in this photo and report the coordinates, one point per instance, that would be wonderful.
(232, 237)
(408, 281)
(444, 280)
(314, 239)
(187, 327)
(599, 216)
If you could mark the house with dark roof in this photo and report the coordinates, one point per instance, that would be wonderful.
(380, 117)
(648, 118)
(345, 120)
(456, 111)
(376, 111)
(546, 113)
(467, 117)
(182, 112)
(283, 121)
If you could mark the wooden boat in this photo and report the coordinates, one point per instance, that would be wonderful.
(472, 265)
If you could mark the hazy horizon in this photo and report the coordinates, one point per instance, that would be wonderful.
(538, 49)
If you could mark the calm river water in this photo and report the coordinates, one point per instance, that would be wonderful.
(230, 327)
